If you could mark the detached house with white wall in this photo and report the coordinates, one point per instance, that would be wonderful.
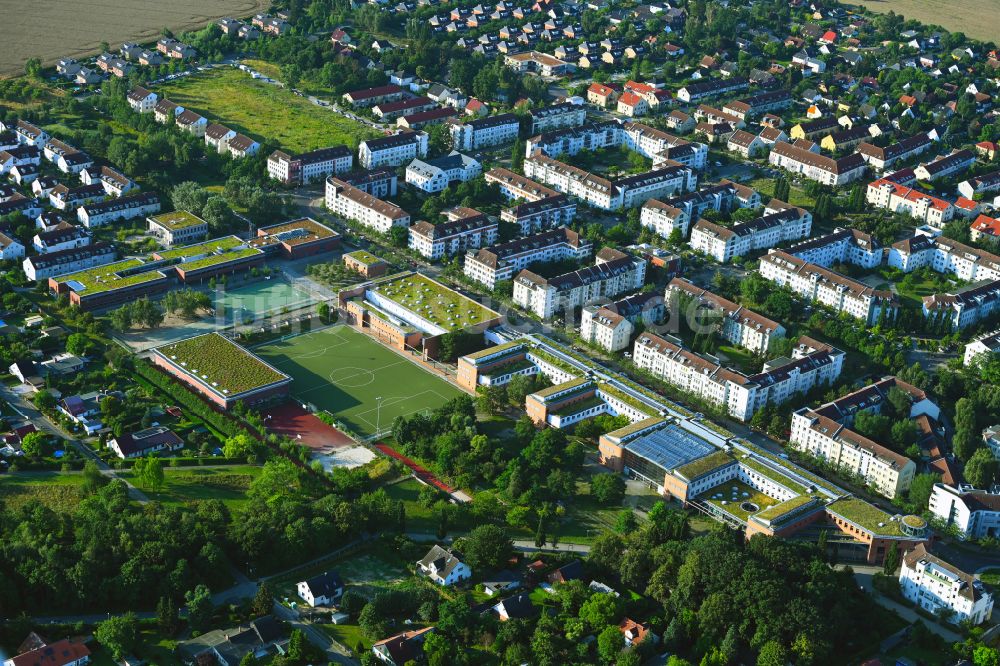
(443, 567)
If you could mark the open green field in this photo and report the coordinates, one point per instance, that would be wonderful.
(343, 372)
(263, 111)
(57, 490)
(183, 485)
(979, 19)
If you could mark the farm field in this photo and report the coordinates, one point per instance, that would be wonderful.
(343, 371)
(263, 111)
(56, 29)
(979, 19)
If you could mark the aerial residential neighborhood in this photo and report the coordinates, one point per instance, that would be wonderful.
(540, 332)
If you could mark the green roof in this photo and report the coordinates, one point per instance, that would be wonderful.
(575, 407)
(866, 516)
(221, 364)
(180, 219)
(496, 349)
(108, 278)
(775, 475)
(777, 511)
(628, 399)
(704, 465)
(638, 426)
(433, 301)
(223, 244)
(578, 383)
(364, 257)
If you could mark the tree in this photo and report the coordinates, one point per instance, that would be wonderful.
(190, 196)
(891, 562)
(600, 610)
(920, 490)
(607, 488)
(399, 236)
(772, 653)
(491, 399)
(166, 616)
(93, 480)
(985, 655)
(149, 472)
(78, 344)
(517, 155)
(609, 643)
(982, 470)
(323, 311)
(34, 444)
(263, 600)
(118, 634)
(487, 547)
(199, 607)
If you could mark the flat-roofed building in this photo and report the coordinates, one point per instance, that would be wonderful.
(177, 228)
(296, 239)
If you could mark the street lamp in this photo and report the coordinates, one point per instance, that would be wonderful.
(378, 415)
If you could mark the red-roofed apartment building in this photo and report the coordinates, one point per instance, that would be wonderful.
(601, 95)
(899, 199)
(632, 105)
(985, 229)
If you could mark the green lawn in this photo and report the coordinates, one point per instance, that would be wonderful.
(187, 484)
(344, 372)
(796, 196)
(420, 518)
(56, 490)
(365, 570)
(991, 577)
(263, 111)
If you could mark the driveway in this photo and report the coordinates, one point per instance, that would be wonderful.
(863, 575)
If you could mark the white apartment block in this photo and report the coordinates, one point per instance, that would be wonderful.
(605, 328)
(218, 136)
(944, 166)
(677, 212)
(611, 326)
(394, 151)
(464, 229)
(827, 287)
(535, 216)
(350, 202)
(307, 167)
(630, 191)
(842, 246)
(777, 225)
(63, 237)
(826, 170)
(484, 132)
(651, 142)
(908, 201)
(557, 116)
(593, 136)
(44, 266)
(10, 248)
(935, 586)
(825, 432)
(944, 255)
(988, 344)
(115, 183)
(740, 326)
(964, 307)
(142, 100)
(882, 158)
(974, 513)
(614, 273)
(813, 364)
(129, 207)
(516, 186)
(501, 262)
(435, 175)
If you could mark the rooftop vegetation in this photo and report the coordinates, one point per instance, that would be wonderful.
(866, 516)
(222, 364)
(704, 465)
(179, 219)
(434, 302)
(107, 277)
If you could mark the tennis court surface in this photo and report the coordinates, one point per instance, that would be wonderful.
(345, 372)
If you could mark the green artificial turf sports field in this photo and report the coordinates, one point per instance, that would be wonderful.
(343, 372)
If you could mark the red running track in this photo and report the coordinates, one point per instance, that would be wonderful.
(423, 474)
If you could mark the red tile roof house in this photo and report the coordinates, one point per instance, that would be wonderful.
(66, 652)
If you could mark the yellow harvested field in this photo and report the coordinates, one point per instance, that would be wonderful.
(979, 19)
(58, 28)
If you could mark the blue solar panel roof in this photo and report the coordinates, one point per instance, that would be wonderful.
(670, 447)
